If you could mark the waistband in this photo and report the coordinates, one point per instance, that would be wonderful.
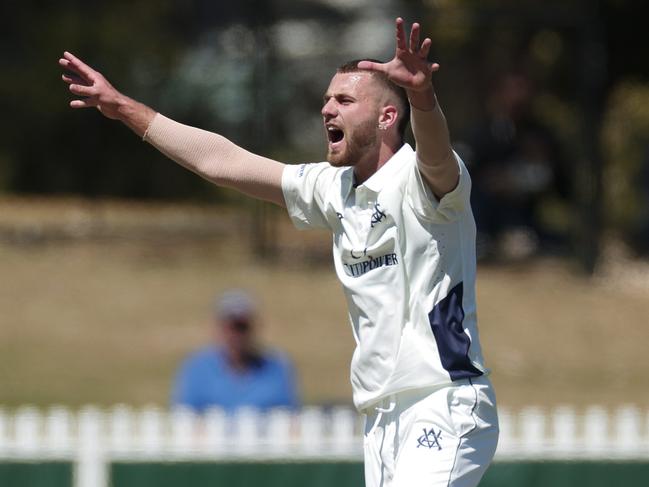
(389, 402)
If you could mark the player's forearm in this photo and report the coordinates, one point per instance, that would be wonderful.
(217, 159)
(433, 144)
(429, 127)
(134, 115)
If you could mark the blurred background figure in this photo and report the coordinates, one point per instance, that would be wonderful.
(516, 164)
(234, 371)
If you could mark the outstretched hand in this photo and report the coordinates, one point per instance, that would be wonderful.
(91, 86)
(409, 68)
(95, 91)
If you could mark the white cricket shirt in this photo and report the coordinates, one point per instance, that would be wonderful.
(407, 266)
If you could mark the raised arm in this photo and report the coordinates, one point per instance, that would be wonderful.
(207, 154)
(410, 69)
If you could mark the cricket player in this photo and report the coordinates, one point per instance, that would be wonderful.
(403, 249)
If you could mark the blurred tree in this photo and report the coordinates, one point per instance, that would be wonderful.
(626, 149)
(48, 149)
(574, 51)
(211, 64)
(255, 70)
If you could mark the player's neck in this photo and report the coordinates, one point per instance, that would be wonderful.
(375, 160)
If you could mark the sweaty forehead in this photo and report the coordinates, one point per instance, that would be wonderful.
(356, 84)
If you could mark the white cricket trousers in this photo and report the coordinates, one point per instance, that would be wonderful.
(434, 437)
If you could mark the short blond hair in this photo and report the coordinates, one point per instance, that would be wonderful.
(402, 97)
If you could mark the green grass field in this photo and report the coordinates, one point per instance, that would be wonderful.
(99, 302)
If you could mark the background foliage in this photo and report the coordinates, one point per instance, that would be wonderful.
(254, 71)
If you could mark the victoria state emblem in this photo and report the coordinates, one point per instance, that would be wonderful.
(430, 439)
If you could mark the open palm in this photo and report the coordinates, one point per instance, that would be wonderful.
(90, 85)
(409, 68)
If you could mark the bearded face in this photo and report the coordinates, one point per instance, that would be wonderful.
(349, 144)
(350, 115)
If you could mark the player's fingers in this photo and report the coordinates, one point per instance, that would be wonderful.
(371, 66)
(401, 35)
(425, 48)
(85, 103)
(83, 90)
(79, 66)
(72, 69)
(414, 37)
(433, 67)
(69, 79)
(64, 63)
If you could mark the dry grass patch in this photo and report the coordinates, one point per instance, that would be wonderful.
(106, 317)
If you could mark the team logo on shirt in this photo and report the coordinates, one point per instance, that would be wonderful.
(359, 268)
(377, 216)
(430, 439)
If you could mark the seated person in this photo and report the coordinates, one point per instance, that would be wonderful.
(234, 372)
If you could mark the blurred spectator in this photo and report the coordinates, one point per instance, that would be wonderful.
(515, 163)
(234, 372)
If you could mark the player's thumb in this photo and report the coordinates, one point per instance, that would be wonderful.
(370, 66)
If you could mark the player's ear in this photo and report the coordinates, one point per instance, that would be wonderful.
(388, 117)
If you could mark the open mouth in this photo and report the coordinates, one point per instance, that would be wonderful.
(335, 135)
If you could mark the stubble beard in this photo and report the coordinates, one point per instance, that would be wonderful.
(358, 142)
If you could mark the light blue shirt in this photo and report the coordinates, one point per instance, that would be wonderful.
(206, 379)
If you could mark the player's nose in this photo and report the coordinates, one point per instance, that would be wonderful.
(328, 109)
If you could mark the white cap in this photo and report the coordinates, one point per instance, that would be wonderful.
(235, 303)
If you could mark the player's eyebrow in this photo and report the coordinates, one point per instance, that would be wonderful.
(337, 96)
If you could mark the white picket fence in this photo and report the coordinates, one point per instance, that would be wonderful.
(92, 437)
